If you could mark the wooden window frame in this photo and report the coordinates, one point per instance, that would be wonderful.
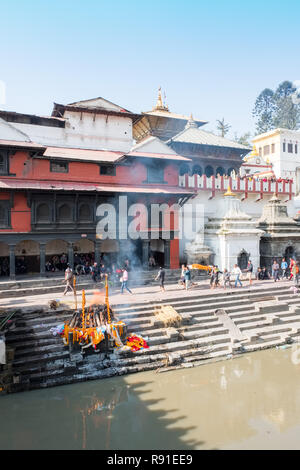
(55, 162)
(7, 208)
(104, 167)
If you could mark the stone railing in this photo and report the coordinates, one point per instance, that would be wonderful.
(238, 185)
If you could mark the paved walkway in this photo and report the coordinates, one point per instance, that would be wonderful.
(140, 294)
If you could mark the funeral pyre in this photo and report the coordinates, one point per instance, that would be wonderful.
(95, 326)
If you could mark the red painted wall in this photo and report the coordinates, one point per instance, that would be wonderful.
(23, 166)
(174, 254)
(20, 217)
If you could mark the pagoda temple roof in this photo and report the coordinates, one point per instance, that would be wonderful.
(97, 105)
(193, 135)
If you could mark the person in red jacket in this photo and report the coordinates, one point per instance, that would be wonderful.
(292, 262)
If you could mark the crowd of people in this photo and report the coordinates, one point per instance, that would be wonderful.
(117, 273)
(4, 267)
(273, 179)
(281, 271)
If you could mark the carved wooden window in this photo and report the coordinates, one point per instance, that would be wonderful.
(108, 170)
(3, 162)
(59, 167)
(64, 213)
(4, 214)
(155, 174)
(43, 213)
(85, 213)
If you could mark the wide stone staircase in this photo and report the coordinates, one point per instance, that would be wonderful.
(214, 325)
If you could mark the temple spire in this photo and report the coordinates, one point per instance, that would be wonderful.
(229, 192)
(191, 123)
(159, 104)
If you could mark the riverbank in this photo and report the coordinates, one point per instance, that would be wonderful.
(218, 324)
(251, 402)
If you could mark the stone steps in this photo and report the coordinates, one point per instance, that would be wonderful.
(42, 360)
(52, 285)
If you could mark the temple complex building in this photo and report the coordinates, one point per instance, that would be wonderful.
(56, 171)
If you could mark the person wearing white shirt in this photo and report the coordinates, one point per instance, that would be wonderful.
(237, 273)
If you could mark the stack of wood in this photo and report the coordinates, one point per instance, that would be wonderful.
(96, 316)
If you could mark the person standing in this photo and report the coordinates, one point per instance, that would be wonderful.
(249, 271)
(182, 279)
(212, 277)
(187, 277)
(161, 277)
(295, 273)
(237, 273)
(292, 262)
(63, 261)
(94, 271)
(275, 270)
(217, 276)
(124, 281)
(68, 279)
(226, 278)
(284, 267)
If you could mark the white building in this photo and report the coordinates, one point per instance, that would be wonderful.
(280, 148)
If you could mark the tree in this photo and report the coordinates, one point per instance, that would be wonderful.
(264, 109)
(287, 113)
(277, 109)
(222, 127)
(244, 139)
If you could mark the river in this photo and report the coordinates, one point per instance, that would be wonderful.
(251, 402)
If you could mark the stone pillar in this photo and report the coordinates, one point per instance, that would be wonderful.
(167, 253)
(122, 250)
(145, 253)
(71, 255)
(97, 251)
(12, 262)
(42, 258)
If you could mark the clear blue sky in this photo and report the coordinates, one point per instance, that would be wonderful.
(212, 58)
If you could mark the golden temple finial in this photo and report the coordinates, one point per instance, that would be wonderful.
(159, 103)
(229, 192)
(254, 152)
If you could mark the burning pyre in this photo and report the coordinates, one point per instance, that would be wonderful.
(96, 326)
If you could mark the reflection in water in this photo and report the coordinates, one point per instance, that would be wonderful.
(249, 402)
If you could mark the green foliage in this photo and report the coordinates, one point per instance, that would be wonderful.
(264, 111)
(287, 114)
(277, 109)
(244, 139)
(222, 127)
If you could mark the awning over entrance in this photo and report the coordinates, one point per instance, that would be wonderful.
(6, 183)
(96, 156)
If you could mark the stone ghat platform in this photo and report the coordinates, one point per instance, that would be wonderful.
(216, 325)
(30, 285)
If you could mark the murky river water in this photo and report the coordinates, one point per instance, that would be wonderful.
(252, 402)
